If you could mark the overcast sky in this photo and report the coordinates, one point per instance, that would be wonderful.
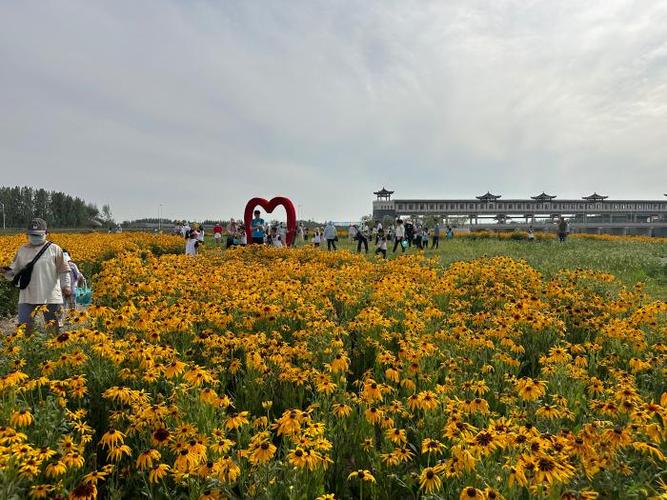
(200, 105)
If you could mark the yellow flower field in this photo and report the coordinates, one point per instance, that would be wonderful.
(302, 374)
(92, 247)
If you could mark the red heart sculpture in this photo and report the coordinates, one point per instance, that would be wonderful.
(269, 206)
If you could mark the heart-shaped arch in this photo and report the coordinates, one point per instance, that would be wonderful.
(269, 206)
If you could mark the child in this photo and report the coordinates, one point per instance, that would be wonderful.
(75, 277)
(277, 241)
(316, 238)
(381, 246)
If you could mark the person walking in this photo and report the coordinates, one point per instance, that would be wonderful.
(301, 234)
(409, 232)
(258, 232)
(425, 235)
(331, 235)
(76, 277)
(191, 242)
(361, 239)
(231, 232)
(435, 243)
(217, 234)
(381, 246)
(399, 235)
(418, 239)
(563, 229)
(41, 272)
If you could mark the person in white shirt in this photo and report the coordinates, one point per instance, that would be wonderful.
(50, 279)
(399, 235)
(331, 235)
(277, 241)
(301, 234)
(191, 243)
(316, 238)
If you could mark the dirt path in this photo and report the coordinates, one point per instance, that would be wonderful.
(7, 326)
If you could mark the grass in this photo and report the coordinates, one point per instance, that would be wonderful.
(630, 261)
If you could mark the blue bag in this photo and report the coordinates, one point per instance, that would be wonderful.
(84, 295)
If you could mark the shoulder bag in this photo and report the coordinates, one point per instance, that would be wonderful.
(22, 278)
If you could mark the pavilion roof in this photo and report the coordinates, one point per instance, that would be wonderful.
(594, 197)
(488, 196)
(543, 197)
(382, 192)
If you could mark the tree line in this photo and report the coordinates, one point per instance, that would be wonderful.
(21, 204)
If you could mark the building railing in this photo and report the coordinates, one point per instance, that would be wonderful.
(519, 207)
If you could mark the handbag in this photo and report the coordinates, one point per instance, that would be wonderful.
(21, 279)
(84, 295)
(404, 243)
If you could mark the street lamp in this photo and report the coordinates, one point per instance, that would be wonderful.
(4, 226)
(159, 219)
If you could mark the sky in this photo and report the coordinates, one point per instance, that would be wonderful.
(193, 107)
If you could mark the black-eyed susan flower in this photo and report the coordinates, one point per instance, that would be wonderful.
(432, 446)
(112, 438)
(362, 475)
(84, 491)
(262, 453)
(470, 493)
(55, 469)
(396, 436)
(236, 420)
(22, 418)
(429, 481)
(158, 472)
(146, 459)
(41, 490)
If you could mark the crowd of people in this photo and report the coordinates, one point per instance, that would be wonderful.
(402, 234)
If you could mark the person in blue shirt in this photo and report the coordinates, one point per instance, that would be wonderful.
(257, 229)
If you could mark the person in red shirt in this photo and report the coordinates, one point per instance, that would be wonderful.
(217, 234)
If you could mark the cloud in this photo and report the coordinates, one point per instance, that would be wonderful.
(202, 105)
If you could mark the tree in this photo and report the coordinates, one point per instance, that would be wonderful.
(107, 217)
(41, 204)
(56, 208)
